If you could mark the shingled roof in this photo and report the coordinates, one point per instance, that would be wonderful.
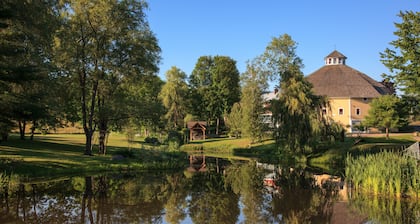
(340, 80)
(336, 54)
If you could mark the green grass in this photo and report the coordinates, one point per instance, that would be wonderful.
(334, 154)
(59, 154)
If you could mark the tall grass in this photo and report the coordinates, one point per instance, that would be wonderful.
(385, 173)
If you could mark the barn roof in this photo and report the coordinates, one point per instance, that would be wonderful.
(340, 80)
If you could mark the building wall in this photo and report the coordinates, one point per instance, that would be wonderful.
(354, 110)
(361, 104)
(337, 105)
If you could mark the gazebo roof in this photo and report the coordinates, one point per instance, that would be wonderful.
(192, 124)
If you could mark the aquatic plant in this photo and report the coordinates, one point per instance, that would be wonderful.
(385, 173)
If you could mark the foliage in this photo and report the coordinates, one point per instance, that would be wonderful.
(386, 173)
(234, 121)
(100, 46)
(215, 87)
(298, 112)
(175, 139)
(174, 97)
(151, 140)
(26, 29)
(254, 82)
(386, 112)
(403, 58)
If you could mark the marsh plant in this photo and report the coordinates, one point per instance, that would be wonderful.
(385, 173)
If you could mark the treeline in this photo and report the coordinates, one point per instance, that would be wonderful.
(96, 63)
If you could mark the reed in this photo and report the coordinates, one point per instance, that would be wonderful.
(385, 173)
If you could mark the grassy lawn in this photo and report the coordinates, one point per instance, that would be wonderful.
(334, 155)
(58, 154)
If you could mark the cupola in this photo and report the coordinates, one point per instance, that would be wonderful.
(335, 58)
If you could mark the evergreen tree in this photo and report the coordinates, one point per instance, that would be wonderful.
(403, 58)
(26, 29)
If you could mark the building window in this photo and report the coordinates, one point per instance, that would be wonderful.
(358, 111)
(365, 99)
(340, 111)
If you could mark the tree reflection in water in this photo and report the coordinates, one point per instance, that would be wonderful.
(226, 193)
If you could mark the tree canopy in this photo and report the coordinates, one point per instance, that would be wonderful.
(174, 97)
(102, 44)
(297, 112)
(403, 57)
(26, 31)
(386, 112)
(214, 87)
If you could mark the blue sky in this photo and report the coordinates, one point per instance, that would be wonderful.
(241, 29)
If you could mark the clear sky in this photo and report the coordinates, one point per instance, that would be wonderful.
(241, 29)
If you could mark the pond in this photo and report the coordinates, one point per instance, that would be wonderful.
(210, 190)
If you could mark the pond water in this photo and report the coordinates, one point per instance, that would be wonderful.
(210, 190)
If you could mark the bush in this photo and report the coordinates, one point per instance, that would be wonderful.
(174, 137)
(151, 140)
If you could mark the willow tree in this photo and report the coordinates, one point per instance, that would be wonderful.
(101, 45)
(174, 97)
(298, 112)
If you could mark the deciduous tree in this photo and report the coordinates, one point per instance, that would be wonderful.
(174, 97)
(386, 112)
(254, 83)
(215, 81)
(102, 44)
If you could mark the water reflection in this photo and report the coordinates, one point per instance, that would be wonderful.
(226, 191)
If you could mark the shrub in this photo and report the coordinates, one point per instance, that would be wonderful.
(151, 140)
(174, 137)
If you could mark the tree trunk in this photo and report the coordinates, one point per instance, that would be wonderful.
(217, 126)
(22, 127)
(387, 133)
(103, 129)
(88, 147)
(33, 130)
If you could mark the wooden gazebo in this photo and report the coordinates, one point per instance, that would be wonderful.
(197, 130)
